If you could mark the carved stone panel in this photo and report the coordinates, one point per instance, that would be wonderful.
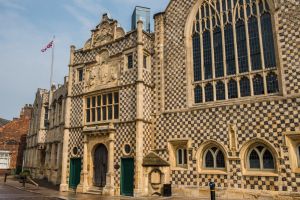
(105, 73)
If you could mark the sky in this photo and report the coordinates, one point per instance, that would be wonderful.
(29, 25)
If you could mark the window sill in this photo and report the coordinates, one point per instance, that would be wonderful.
(260, 173)
(177, 168)
(213, 171)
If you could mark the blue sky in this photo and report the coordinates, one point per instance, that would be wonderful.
(28, 25)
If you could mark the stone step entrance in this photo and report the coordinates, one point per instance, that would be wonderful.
(95, 190)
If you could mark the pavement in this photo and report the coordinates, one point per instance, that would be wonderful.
(13, 189)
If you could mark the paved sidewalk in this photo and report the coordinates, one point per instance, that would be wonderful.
(51, 192)
(10, 193)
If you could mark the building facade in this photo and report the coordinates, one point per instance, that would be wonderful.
(45, 137)
(211, 95)
(13, 141)
(34, 155)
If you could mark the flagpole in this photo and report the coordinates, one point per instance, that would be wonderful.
(52, 63)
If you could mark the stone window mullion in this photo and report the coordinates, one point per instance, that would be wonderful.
(202, 54)
(212, 44)
(238, 86)
(235, 9)
(260, 36)
(264, 75)
(247, 36)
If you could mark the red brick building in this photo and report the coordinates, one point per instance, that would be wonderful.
(13, 140)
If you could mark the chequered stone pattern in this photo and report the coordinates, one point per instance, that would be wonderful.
(127, 103)
(147, 77)
(148, 42)
(289, 34)
(174, 54)
(157, 63)
(76, 112)
(125, 134)
(147, 138)
(129, 76)
(77, 89)
(268, 119)
(82, 57)
(76, 140)
(148, 103)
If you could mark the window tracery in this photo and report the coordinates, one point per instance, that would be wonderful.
(233, 44)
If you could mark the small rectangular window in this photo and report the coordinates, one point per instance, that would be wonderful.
(88, 115)
(80, 75)
(181, 157)
(145, 61)
(130, 61)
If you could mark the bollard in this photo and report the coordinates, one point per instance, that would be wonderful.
(24, 180)
(5, 177)
(212, 191)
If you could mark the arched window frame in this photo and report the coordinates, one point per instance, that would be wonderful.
(222, 22)
(214, 154)
(298, 155)
(200, 155)
(261, 160)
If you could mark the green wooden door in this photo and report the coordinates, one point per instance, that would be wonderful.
(127, 176)
(75, 169)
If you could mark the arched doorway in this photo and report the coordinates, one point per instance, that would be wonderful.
(100, 165)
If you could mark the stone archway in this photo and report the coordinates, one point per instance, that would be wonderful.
(100, 161)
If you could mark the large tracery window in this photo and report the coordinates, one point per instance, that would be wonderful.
(233, 50)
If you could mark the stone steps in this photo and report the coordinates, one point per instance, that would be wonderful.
(95, 190)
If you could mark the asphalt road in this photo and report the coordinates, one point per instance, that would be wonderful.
(11, 193)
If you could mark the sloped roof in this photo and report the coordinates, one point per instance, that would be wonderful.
(152, 159)
(3, 121)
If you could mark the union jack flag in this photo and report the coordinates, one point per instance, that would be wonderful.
(50, 45)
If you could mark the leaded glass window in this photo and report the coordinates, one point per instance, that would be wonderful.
(197, 59)
(238, 51)
(214, 158)
(220, 87)
(245, 86)
(272, 83)
(258, 85)
(181, 155)
(198, 94)
(232, 89)
(261, 158)
(209, 93)
(102, 107)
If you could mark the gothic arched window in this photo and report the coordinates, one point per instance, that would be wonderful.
(214, 158)
(261, 158)
(233, 50)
